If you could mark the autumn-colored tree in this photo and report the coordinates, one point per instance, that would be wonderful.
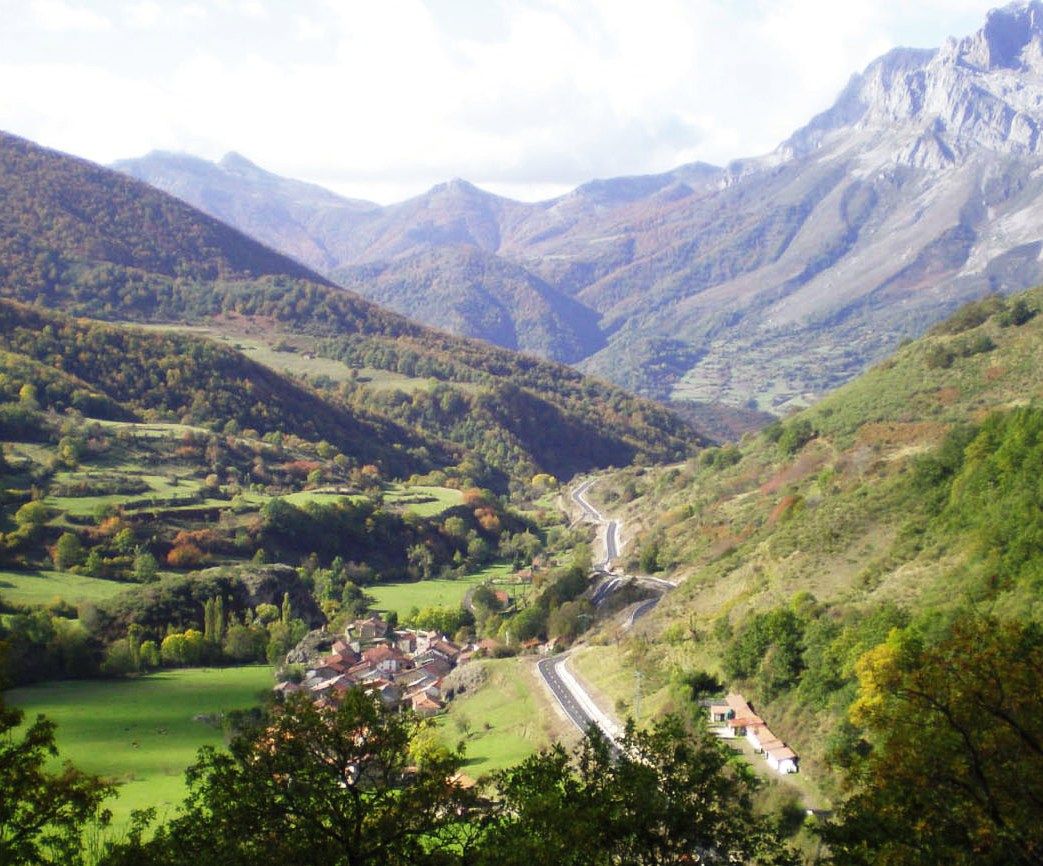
(487, 519)
(186, 555)
(110, 526)
(955, 770)
(473, 496)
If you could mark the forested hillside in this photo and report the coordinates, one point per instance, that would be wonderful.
(79, 238)
(119, 373)
(888, 513)
(60, 212)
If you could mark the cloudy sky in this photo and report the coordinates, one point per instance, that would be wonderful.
(383, 99)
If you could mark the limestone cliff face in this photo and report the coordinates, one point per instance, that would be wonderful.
(937, 108)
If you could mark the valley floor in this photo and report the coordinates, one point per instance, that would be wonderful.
(142, 732)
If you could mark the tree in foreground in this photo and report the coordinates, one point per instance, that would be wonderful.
(42, 813)
(955, 770)
(665, 796)
(361, 784)
(316, 784)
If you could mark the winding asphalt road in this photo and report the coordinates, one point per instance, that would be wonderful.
(611, 526)
(574, 700)
(639, 611)
(570, 695)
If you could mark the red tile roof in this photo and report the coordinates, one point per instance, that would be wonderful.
(382, 653)
(748, 721)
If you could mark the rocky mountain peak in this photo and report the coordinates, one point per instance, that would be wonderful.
(239, 164)
(935, 109)
(1010, 39)
(885, 81)
(457, 188)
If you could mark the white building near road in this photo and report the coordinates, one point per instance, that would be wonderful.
(735, 718)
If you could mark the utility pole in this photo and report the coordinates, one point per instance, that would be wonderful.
(638, 681)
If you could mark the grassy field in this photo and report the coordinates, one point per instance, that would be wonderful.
(505, 720)
(614, 685)
(436, 593)
(402, 597)
(303, 363)
(42, 587)
(142, 732)
(303, 497)
(165, 487)
(430, 500)
(154, 429)
(294, 354)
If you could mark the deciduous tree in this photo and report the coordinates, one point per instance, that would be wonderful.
(318, 785)
(955, 772)
(666, 795)
(42, 812)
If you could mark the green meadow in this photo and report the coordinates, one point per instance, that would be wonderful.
(43, 587)
(505, 720)
(438, 592)
(423, 500)
(294, 355)
(144, 731)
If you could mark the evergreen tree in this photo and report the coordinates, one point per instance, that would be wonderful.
(219, 619)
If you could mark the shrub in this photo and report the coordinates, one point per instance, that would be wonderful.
(939, 357)
(68, 552)
(185, 555)
(795, 436)
(971, 315)
(1017, 314)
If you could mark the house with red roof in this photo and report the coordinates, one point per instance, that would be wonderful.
(424, 705)
(386, 659)
(734, 718)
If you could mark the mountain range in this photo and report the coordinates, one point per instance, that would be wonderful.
(76, 238)
(762, 283)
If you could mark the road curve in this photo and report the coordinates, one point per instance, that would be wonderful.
(579, 497)
(639, 611)
(594, 516)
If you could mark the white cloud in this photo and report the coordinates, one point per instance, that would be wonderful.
(253, 9)
(145, 14)
(56, 15)
(384, 99)
(193, 10)
(307, 29)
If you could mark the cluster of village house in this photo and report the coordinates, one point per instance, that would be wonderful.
(405, 667)
(734, 718)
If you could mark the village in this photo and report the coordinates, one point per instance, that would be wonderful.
(735, 718)
(405, 667)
